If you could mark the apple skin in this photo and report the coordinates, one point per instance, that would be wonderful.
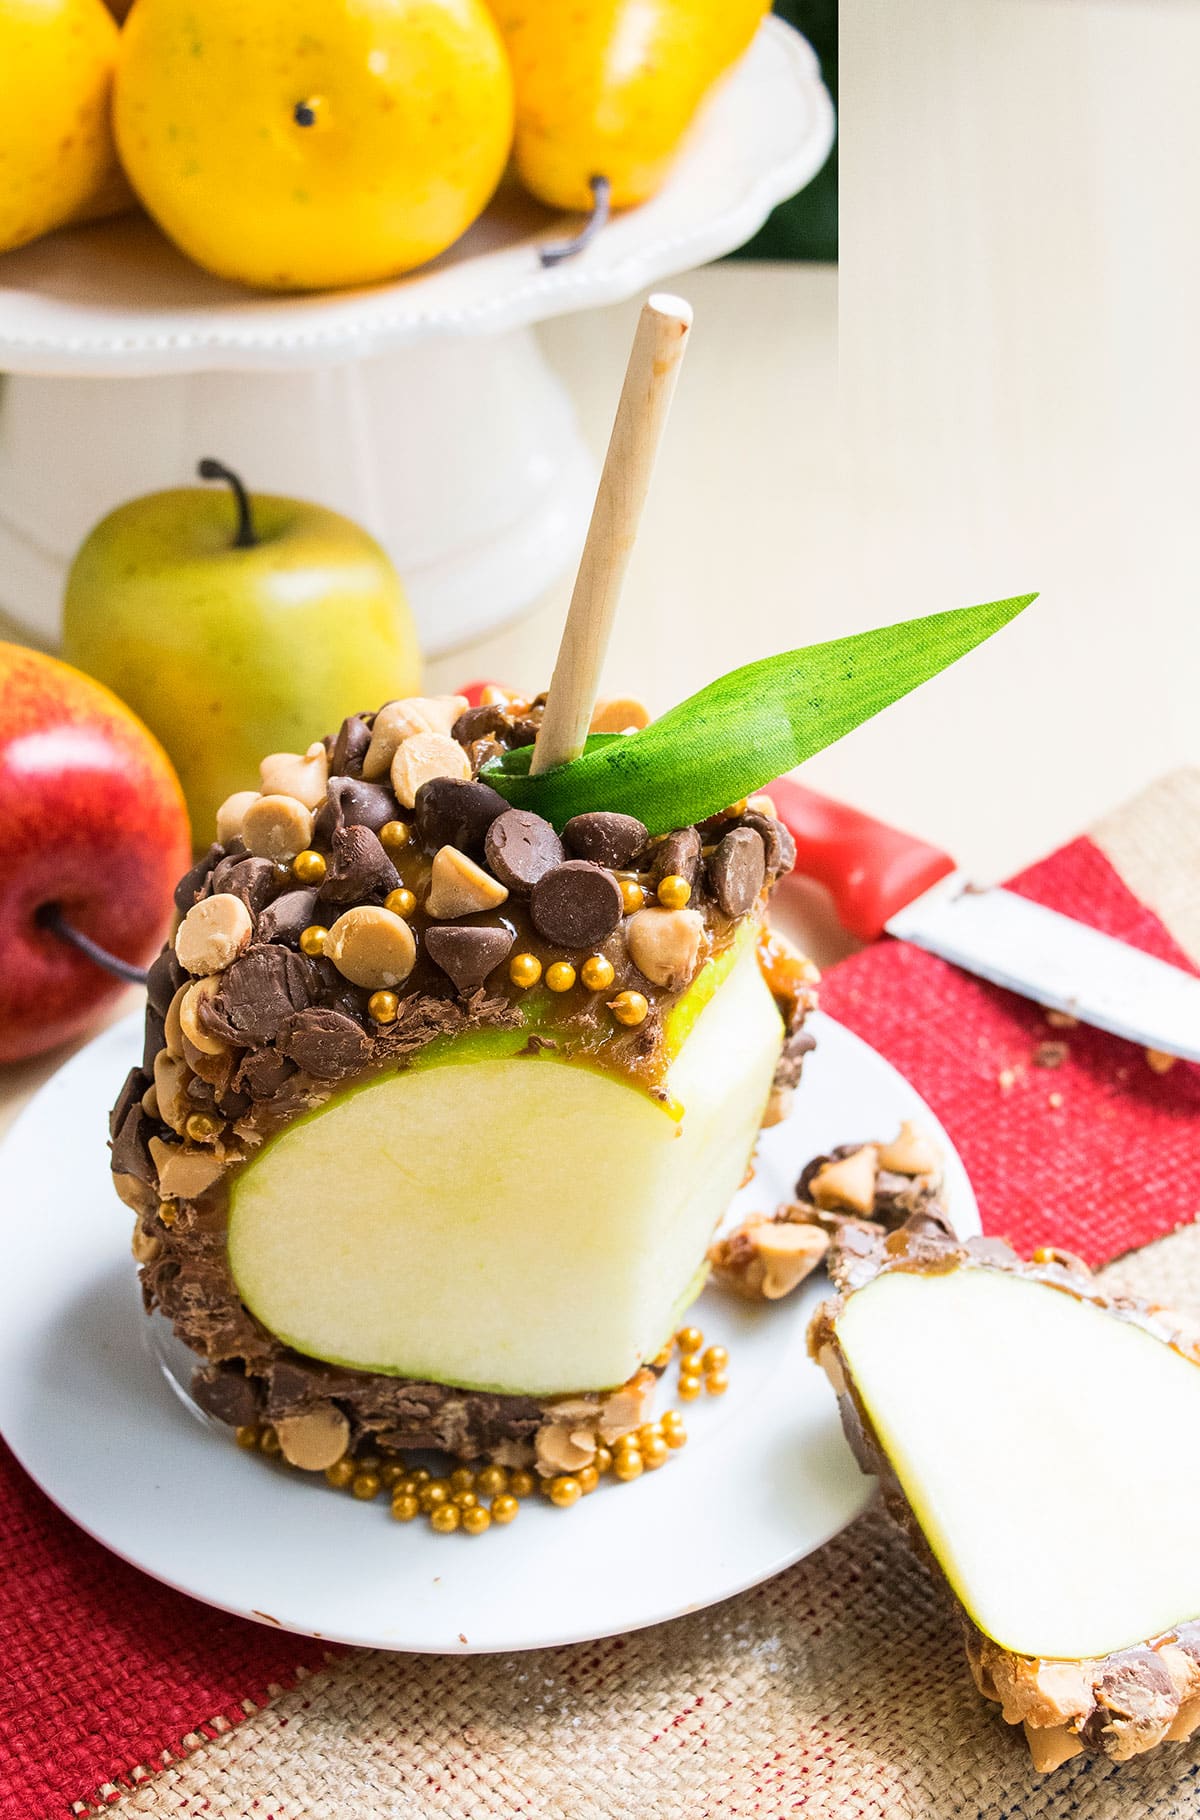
(91, 817)
(228, 653)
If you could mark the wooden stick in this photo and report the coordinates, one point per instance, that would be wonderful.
(658, 347)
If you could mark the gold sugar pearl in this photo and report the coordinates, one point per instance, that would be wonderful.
(655, 1453)
(673, 891)
(602, 1460)
(247, 1434)
(689, 1364)
(366, 1485)
(395, 836)
(383, 1006)
(504, 1508)
(462, 1479)
(521, 1484)
(715, 1359)
(465, 1500)
(340, 1473)
(629, 1008)
(168, 1212)
(268, 1441)
(689, 1339)
(649, 1431)
(369, 1461)
(588, 1478)
(445, 1518)
(313, 940)
(491, 1480)
(476, 1520)
(436, 1492)
(200, 1127)
(688, 1388)
(421, 1475)
(560, 977)
(405, 1508)
(400, 902)
(633, 898)
(716, 1383)
(525, 970)
(309, 867)
(565, 1490)
(391, 1473)
(628, 1465)
(597, 973)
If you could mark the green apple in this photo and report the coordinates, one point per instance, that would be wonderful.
(507, 1221)
(234, 626)
(1044, 1445)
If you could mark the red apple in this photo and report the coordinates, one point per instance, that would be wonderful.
(92, 819)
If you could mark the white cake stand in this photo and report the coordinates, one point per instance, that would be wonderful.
(423, 408)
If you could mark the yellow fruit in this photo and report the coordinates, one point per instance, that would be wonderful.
(296, 144)
(57, 157)
(609, 89)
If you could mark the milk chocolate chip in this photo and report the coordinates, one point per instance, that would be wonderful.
(521, 848)
(258, 992)
(350, 747)
(253, 880)
(194, 883)
(164, 979)
(736, 870)
(450, 812)
(351, 803)
(678, 856)
(287, 918)
(778, 845)
(576, 905)
(327, 1044)
(467, 953)
(358, 868)
(607, 840)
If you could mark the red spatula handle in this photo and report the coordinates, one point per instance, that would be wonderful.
(869, 869)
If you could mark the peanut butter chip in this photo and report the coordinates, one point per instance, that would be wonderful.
(421, 758)
(371, 947)
(764, 1259)
(619, 714)
(400, 720)
(314, 1440)
(847, 1184)
(232, 814)
(665, 945)
(288, 774)
(190, 1026)
(458, 887)
(213, 933)
(171, 1076)
(911, 1153)
(183, 1174)
(277, 827)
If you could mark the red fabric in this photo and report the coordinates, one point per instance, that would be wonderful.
(104, 1669)
(1114, 1162)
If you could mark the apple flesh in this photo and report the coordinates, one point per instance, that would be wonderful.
(92, 819)
(1046, 1448)
(506, 1222)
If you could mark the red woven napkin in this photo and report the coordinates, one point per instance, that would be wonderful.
(105, 1669)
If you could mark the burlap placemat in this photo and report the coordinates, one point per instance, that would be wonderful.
(838, 1689)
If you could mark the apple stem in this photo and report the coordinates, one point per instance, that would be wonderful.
(555, 251)
(50, 916)
(245, 536)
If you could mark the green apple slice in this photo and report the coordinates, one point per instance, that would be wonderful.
(1047, 1448)
(506, 1222)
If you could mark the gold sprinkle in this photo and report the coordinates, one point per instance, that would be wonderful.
(560, 977)
(313, 939)
(309, 867)
(400, 902)
(524, 970)
(629, 1008)
(383, 1006)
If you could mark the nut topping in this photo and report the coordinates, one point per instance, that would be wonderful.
(665, 945)
(372, 947)
(765, 1259)
(399, 720)
(171, 1076)
(213, 933)
(423, 757)
(458, 887)
(190, 1026)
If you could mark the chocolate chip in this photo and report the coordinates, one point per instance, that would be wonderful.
(479, 723)
(131, 1146)
(201, 1093)
(262, 1072)
(358, 868)
(736, 870)
(678, 856)
(351, 803)
(227, 1394)
(167, 974)
(523, 732)
(258, 992)
(132, 1089)
(467, 952)
(194, 883)
(453, 813)
(349, 748)
(253, 880)
(521, 848)
(152, 1039)
(327, 1044)
(287, 918)
(576, 905)
(608, 840)
(778, 845)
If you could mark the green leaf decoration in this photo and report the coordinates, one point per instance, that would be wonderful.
(746, 728)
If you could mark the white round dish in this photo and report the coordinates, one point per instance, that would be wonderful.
(118, 298)
(92, 1414)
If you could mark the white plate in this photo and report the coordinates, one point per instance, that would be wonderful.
(88, 1410)
(118, 298)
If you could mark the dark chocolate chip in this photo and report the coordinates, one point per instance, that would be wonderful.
(262, 1072)
(194, 883)
(351, 803)
(736, 870)
(253, 880)
(131, 1146)
(778, 845)
(325, 1043)
(349, 748)
(678, 856)
(450, 812)
(358, 868)
(523, 732)
(227, 1394)
(521, 848)
(576, 905)
(258, 991)
(609, 840)
(481, 752)
(152, 1040)
(164, 979)
(132, 1089)
(480, 723)
(286, 919)
(201, 1093)
(468, 953)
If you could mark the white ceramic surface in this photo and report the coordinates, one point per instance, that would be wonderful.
(88, 1409)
